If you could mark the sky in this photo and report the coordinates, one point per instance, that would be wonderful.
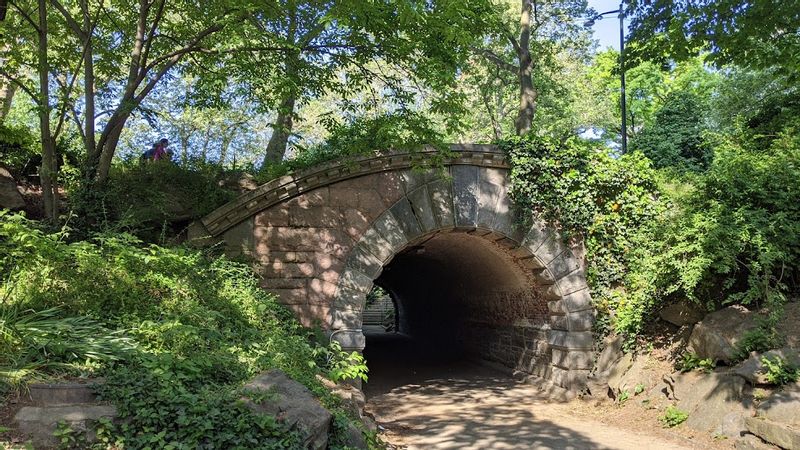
(606, 31)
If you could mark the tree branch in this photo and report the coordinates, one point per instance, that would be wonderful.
(21, 85)
(71, 22)
(26, 16)
(497, 60)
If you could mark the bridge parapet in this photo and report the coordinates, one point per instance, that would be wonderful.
(289, 186)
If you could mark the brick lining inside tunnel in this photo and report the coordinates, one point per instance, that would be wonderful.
(466, 295)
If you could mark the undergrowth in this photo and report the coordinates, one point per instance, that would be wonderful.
(175, 332)
(729, 235)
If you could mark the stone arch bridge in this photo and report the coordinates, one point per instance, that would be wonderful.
(446, 244)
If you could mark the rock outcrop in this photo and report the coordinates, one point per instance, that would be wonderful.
(292, 404)
(10, 198)
(719, 332)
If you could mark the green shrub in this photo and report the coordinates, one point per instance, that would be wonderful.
(673, 417)
(17, 147)
(196, 328)
(730, 235)
(147, 199)
(691, 361)
(362, 136)
(779, 371)
(608, 201)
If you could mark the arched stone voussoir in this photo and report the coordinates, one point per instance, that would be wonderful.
(420, 201)
(466, 194)
(572, 282)
(362, 260)
(441, 197)
(355, 280)
(563, 264)
(346, 318)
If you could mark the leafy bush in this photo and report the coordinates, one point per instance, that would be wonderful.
(729, 235)
(147, 198)
(584, 191)
(691, 361)
(779, 371)
(673, 417)
(17, 147)
(199, 326)
(364, 135)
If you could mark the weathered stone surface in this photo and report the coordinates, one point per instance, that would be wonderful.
(293, 405)
(783, 406)
(719, 332)
(751, 442)
(681, 313)
(465, 195)
(775, 433)
(732, 426)
(753, 370)
(52, 394)
(41, 422)
(10, 198)
(612, 352)
(618, 371)
(708, 398)
(405, 216)
(421, 203)
(636, 375)
(441, 195)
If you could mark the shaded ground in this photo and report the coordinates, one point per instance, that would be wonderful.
(424, 400)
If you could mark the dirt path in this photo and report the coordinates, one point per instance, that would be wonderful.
(437, 404)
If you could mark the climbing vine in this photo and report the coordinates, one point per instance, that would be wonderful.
(727, 235)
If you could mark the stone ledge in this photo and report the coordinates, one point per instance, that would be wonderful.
(286, 187)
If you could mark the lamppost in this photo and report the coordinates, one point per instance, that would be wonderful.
(589, 23)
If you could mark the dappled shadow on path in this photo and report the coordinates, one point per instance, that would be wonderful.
(444, 401)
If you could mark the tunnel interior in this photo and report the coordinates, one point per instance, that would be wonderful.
(459, 298)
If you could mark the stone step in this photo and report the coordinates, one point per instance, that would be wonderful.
(40, 422)
(776, 433)
(53, 394)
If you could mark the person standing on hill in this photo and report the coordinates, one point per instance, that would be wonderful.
(162, 151)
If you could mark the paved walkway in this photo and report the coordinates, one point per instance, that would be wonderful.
(470, 407)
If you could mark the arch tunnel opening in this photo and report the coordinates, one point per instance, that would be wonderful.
(458, 299)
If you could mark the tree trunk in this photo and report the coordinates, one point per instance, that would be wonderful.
(7, 91)
(110, 145)
(276, 147)
(48, 171)
(90, 140)
(527, 91)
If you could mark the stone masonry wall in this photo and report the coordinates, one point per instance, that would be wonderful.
(322, 236)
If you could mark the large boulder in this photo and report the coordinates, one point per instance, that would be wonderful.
(777, 419)
(292, 404)
(681, 313)
(637, 375)
(712, 401)
(10, 198)
(783, 406)
(718, 334)
(752, 369)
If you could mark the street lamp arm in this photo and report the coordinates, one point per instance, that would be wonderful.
(616, 11)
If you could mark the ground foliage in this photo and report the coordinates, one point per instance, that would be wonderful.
(174, 331)
(729, 235)
(152, 200)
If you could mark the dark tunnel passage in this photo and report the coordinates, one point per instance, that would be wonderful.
(459, 298)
